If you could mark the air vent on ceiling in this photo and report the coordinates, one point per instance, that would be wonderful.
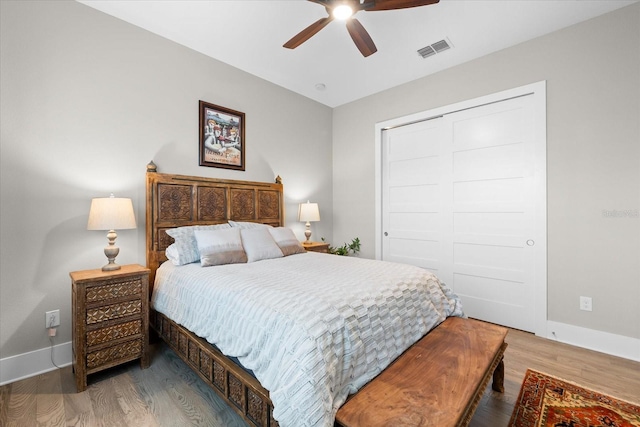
(426, 51)
(434, 48)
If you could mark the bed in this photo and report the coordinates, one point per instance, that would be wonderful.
(316, 354)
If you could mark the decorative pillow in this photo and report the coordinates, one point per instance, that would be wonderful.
(247, 225)
(185, 250)
(286, 241)
(219, 247)
(172, 254)
(258, 244)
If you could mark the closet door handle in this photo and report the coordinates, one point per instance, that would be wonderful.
(531, 242)
(386, 234)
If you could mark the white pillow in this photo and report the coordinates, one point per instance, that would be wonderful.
(185, 250)
(258, 244)
(172, 254)
(248, 225)
(286, 241)
(219, 247)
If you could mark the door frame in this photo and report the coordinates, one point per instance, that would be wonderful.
(539, 92)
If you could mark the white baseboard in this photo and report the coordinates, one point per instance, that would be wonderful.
(37, 362)
(33, 363)
(604, 342)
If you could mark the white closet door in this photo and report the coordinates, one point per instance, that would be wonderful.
(458, 196)
(492, 215)
(413, 217)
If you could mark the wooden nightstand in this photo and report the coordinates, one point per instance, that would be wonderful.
(110, 312)
(316, 247)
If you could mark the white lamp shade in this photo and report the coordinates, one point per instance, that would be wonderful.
(308, 212)
(111, 213)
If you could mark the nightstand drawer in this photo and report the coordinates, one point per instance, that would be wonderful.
(111, 355)
(113, 311)
(114, 289)
(112, 333)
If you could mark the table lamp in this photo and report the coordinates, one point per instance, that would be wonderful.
(111, 213)
(308, 212)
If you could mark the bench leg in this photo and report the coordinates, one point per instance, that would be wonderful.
(498, 377)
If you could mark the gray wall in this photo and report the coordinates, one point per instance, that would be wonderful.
(593, 152)
(87, 101)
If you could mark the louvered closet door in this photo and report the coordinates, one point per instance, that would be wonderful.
(458, 200)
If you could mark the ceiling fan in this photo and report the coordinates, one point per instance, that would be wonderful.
(344, 9)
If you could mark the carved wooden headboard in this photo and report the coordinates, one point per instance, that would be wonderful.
(180, 200)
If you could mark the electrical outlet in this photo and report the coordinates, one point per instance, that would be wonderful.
(52, 319)
(585, 303)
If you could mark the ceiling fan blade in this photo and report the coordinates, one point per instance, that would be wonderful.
(324, 3)
(307, 33)
(397, 4)
(361, 37)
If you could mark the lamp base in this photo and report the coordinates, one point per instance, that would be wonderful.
(111, 252)
(307, 233)
(112, 266)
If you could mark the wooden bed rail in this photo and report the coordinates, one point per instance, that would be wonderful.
(242, 392)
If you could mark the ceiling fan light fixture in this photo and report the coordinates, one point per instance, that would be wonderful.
(342, 12)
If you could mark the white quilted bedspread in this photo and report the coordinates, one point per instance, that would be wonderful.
(313, 328)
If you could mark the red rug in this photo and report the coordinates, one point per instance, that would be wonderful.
(546, 401)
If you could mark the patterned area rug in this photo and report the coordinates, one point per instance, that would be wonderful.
(546, 401)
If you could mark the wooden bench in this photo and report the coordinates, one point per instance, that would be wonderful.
(439, 381)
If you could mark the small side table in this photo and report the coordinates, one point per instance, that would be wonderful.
(316, 247)
(110, 312)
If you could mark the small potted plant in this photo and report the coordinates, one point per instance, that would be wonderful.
(346, 249)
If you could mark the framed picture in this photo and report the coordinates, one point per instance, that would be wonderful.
(222, 143)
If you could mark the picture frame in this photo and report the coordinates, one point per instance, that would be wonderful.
(222, 141)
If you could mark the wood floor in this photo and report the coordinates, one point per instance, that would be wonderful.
(169, 394)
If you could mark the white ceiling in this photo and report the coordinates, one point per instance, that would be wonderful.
(249, 34)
